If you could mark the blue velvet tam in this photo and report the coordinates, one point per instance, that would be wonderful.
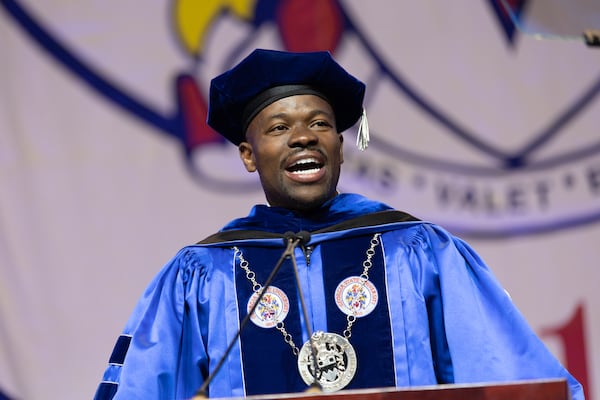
(265, 76)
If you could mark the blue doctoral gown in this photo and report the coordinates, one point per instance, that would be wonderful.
(441, 316)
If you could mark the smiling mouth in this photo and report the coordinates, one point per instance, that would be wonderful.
(305, 166)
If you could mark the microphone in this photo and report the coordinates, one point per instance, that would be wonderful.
(289, 236)
(291, 240)
(302, 237)
(591, 37)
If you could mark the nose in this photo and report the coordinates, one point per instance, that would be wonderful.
(302, 136)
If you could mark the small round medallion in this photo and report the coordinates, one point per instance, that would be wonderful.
(335, 361)
(273, 307)
(356, 296)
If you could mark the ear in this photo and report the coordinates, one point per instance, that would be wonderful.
(247, 156)
(341, 148)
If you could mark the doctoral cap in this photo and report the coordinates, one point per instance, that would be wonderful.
(265, 76)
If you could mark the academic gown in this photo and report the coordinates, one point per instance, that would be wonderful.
(440, 315)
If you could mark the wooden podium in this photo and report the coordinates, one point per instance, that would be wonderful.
(547, 389)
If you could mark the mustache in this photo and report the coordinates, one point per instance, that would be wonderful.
(312, 149)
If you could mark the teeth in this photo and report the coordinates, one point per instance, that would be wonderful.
(305, 161)
(306, 171)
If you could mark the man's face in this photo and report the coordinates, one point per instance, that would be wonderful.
(294, 145)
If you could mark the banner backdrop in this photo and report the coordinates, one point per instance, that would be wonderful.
(107, 167)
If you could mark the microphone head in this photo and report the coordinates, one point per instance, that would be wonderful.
(304, 237)
(288, 237)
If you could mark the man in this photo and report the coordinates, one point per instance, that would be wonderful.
(324, 289)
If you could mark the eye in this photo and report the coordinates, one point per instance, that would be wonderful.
(321, 124)
(278, 128)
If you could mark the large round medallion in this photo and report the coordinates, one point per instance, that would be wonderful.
(331, 361)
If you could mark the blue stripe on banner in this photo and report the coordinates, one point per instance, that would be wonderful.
(120, 350)
(3, 396)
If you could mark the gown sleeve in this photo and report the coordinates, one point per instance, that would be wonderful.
(161, 354)
(487, 337)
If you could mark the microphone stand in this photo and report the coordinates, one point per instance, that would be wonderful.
(292, 241)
